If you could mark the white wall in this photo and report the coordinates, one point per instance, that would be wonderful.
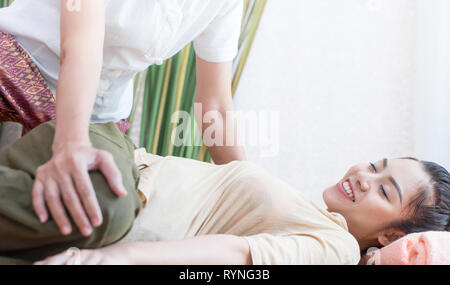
(432, 110)
(342, 74)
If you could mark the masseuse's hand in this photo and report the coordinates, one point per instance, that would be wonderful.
(64, 181)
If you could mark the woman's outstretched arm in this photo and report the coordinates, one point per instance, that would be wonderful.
(202, 250)
(64, 180)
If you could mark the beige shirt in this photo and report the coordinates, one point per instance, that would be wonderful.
(187, 198)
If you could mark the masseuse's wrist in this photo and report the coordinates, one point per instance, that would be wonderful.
(69, 132)
(70, 140)
(58, 145)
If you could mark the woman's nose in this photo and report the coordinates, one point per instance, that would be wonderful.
(363, 178)
(364, 186)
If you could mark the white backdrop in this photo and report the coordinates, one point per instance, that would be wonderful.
(343, 75)
(432, 122)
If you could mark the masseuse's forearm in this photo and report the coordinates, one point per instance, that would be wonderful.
(76, 91)
(223, 105)
(214, 94)
(81, 60)
(202, 250)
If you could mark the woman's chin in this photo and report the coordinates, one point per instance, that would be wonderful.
(328, 198)
(333, 199)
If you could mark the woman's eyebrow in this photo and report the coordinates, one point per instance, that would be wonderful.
(396, 185)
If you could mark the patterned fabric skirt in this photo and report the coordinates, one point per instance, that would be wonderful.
(24, 95)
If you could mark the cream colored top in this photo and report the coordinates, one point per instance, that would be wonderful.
(187, 198)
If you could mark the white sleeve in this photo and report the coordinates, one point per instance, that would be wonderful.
(219, 42)
(267, 249)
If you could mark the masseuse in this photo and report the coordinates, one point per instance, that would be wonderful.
(85, 54)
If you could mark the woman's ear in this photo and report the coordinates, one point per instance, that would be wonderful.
(389, 236)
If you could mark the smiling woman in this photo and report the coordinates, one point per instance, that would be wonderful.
(239, 211)
(392, 198)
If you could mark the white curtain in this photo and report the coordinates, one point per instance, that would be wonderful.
(432, 100)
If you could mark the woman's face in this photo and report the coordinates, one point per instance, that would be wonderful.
(371, 196)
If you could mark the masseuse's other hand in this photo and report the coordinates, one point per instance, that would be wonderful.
(65, 181)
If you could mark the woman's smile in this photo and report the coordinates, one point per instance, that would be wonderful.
(346, 189)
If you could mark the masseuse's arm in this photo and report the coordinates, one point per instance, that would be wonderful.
(64, 180)
(214, 93)
(202, 250)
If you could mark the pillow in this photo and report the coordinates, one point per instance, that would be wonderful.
(427, 248)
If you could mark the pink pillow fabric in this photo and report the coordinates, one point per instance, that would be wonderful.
(428, 248)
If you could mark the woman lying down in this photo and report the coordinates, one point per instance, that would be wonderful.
(181, 211)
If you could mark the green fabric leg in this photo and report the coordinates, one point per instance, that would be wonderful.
(22, 236)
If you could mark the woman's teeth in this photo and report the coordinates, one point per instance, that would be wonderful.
(348, 190)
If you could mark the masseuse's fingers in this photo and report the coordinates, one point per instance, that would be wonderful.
(73, 205)
(39, 201)
(53, 199)
(106, 164)
(87, 195)
(65, 178)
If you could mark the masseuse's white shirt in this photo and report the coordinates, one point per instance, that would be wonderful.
(139, 33)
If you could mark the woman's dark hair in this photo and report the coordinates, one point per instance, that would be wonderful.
(425, 216)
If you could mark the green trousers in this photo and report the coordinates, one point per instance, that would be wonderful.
(23, 239)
